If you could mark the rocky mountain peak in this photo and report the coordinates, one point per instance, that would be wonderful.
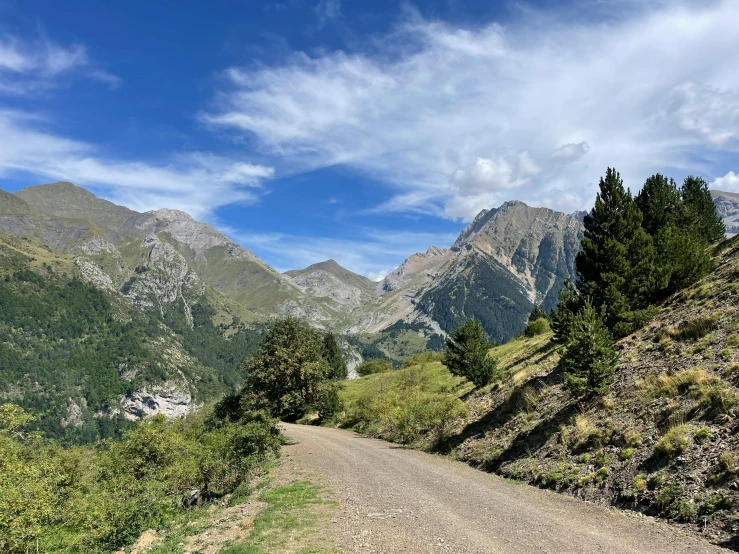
(167, 214)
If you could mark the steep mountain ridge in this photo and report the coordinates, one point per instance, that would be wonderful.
(502, 264)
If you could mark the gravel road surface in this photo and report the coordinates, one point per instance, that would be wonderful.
(396, 500)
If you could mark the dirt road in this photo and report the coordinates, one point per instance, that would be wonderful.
(395, 500)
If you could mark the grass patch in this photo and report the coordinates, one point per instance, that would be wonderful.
(709, 391)
(290, 516)
(417, 405)
(694, 329)
(674, 442)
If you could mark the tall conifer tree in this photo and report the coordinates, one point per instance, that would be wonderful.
(701, 211)
(616, 264)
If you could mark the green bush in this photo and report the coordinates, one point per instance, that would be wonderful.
(537, 327)
(83, 499)
(372, 366)
(672, 503)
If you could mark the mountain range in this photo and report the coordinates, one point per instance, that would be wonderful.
(195, 301)
(504, 262)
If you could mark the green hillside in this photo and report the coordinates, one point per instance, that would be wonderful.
(68, 350)
(661, 442)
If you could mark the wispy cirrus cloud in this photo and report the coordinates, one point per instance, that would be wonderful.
(28, 66)
(195, 182)
(649, 87)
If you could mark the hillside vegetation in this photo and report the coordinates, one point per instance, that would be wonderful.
(662, 441)
(70, 351)
(647, 422)
(96, 500)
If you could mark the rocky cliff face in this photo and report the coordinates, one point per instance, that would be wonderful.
(506, 261)
(727, 206)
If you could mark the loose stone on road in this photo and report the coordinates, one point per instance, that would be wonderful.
(397, 500)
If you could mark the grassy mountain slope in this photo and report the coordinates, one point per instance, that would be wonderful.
(65, 200)
(89, 361)
(663, 441)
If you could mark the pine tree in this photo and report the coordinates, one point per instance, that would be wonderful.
(701, 211)
(467, 353)
(570, 303)
(537, 313)
(660, 204)
(334, 358)
(616, 264)
(681, 254)
(590, 358)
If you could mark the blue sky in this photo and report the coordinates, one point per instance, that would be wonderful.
(363, 131)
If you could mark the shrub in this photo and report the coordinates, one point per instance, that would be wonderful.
(674, 442)
(714, 503)
(672, 503)
(372, 366)
(732, 341)
(86, 500)
(590, 358)
(537, 327)
(467, 353)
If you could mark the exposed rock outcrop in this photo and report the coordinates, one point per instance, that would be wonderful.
(168, 399)
(163, 277)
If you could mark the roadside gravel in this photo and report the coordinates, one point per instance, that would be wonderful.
(397, 500)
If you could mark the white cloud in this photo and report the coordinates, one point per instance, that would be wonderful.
(27, 66)
(431, 98)
(570, 152)
(710, 113)
(727, 183)
(196, 183)
(378, 276)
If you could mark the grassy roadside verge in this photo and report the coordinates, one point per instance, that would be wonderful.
(284, 513)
